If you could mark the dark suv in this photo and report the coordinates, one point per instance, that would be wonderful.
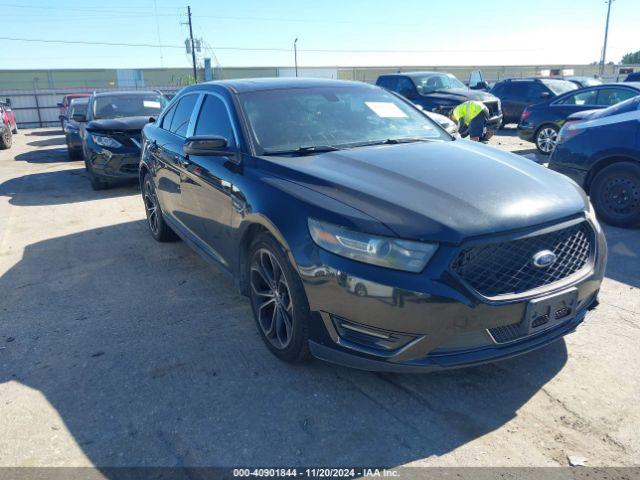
(517, 94)
(362, 232)
(439, 92)
(110, 133)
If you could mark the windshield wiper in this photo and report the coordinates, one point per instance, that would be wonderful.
(306, 150)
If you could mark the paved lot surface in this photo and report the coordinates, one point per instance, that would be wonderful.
(118, 351)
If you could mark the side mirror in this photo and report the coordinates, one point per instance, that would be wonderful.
(152, 119)
(482, 85)
(7, 102)
(79, 117)
(60, 104)
(205, 145)
(545, 95)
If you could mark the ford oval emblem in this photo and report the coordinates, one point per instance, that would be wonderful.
(544, 259)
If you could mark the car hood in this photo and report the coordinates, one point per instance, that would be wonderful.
(439, 191)
(460, 95)
(124, 124)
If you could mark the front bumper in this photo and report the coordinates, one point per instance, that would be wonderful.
(115, 164)
(378, 319)
(495, 122)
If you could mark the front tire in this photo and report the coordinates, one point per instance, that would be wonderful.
(6, 139)
(615, 193)
(15, 130)
(97, 183)
(159, 229)
(278, 299)
(547, 139)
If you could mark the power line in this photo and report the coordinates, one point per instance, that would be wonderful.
(274, 49)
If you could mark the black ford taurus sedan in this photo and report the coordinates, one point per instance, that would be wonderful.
(362, 232)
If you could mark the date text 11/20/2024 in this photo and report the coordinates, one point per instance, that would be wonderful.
(315, 472)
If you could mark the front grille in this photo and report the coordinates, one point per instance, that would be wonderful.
(507, 268)
(493, 107)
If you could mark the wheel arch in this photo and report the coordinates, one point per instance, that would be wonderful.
(251, 228)
(604, 163)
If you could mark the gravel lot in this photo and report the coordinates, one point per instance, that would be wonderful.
(118, 351)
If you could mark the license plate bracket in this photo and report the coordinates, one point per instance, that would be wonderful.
(547, 312)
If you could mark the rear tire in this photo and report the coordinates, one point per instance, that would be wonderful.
(615, 193)
(160, 231)
(546, 139)
(6, 139)
(279, 302)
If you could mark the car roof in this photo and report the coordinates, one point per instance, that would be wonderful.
(414, 74)
(243, 85)
(126, 92)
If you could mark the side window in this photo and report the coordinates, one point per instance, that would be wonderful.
(583, 98)
(166, 120)
(389, 83)
(519, 90)
(213, 119)
(498, 90)
(405, 87)
(611, 96)
(182, 115)
(536, 90)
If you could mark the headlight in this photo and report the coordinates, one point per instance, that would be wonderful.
(382, 251)
(105, 141)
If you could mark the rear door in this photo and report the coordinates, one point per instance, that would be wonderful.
(208, 183)
(577, 101)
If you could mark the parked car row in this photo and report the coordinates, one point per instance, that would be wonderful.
(541, 122)
(8, 125)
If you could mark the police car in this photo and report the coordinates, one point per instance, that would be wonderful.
(600, 151)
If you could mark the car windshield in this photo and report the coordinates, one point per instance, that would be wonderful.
(560, 86)
(436, 82)
(289, 120)
(74, 108)
(129, 105)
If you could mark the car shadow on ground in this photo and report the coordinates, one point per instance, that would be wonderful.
(58, 187)
(45, 132)
(624, 255)
(49, 155)
(151, 358)
(48, 142)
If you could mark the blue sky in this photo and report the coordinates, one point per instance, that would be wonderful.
(402, 32)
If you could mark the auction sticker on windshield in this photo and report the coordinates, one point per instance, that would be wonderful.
(386, 109)
(151, 104)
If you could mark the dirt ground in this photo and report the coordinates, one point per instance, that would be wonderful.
(118, 351)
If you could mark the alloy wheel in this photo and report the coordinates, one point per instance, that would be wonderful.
(271, 297)
(151, 207)
(547, 139)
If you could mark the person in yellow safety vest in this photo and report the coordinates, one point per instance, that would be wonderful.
(472, 117)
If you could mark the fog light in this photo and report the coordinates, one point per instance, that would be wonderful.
(355, 334)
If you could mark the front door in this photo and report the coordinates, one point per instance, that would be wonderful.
(208, 182)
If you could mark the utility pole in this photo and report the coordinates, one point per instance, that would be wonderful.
(193, 47)
(295, 54)
(606, 34)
